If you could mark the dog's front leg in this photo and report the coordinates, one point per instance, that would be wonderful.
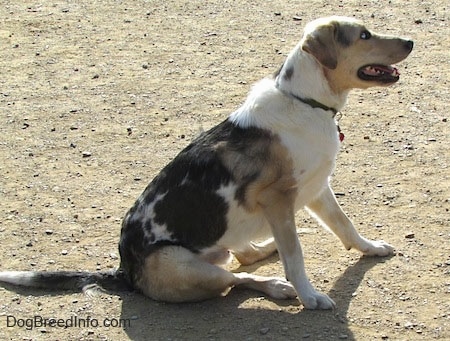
(281, 218)
(327, 210)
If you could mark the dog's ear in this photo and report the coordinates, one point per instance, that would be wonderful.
(322, 45)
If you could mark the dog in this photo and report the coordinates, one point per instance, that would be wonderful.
(244, 179)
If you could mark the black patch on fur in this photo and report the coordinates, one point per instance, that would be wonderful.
(193, 212)
(196, 218)
(342, 36)
(77, 280)
(242, 189)
(288, 73)
(132, 247)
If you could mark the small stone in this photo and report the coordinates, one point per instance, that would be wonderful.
(264, 331)
(343, 337)
(86, 154)
(48, 232)
(30, 243)
(64, 252)
(410, 235)
(409, 325)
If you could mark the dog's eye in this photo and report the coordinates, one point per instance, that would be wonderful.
(365, 35)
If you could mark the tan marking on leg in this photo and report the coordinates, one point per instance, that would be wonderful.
(175, 274)
(256, 252)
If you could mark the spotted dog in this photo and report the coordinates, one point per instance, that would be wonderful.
(243, 180)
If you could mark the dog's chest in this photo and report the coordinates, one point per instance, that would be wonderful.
(313, 153)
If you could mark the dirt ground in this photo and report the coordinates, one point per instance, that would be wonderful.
(96, 96)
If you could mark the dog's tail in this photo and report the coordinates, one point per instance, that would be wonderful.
(88, 282)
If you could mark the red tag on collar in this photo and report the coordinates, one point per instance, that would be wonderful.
(341, 134)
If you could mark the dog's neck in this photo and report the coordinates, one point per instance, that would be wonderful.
(298, 78)
(313, 103)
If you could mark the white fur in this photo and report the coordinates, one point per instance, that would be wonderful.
(242, 226)
(17, 277)
(311, 138)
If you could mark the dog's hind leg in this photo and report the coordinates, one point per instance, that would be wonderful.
(272, 286)
(175, 274)
(256, 252)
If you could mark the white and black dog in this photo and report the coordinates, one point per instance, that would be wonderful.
(244, 179)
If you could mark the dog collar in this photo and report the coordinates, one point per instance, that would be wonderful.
(313, 103)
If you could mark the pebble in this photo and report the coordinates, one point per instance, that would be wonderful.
(264, 331)
(86, 154)
(410, 235)
(64, 252)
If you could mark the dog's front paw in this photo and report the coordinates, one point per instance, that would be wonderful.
(377, 248)
(317, 300)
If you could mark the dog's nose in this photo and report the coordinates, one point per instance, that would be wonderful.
(409, 44)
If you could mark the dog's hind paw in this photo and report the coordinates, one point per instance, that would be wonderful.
(318, 300)
(280, 289)
(93, 290)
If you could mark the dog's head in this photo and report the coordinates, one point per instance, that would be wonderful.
(351, 55)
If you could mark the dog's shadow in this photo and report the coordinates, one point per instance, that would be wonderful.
(228, 318)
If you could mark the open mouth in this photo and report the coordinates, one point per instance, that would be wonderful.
(379, 73)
